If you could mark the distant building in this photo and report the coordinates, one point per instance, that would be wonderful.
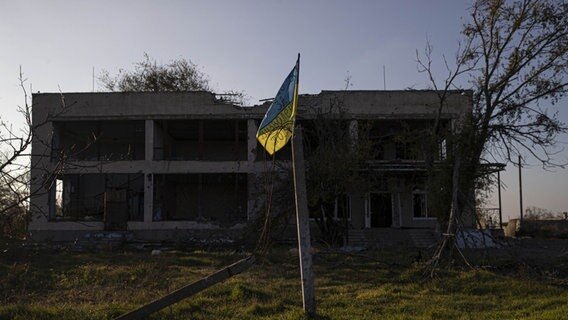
(177, 165)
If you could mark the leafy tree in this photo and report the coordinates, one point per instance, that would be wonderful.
(148, 75)
(335, 164)
(177, 75)
(515, 54)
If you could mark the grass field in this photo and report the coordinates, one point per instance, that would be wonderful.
(44, 284)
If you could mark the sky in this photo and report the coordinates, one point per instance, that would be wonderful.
(248, 45)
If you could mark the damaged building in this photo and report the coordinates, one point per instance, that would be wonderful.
(180, 165)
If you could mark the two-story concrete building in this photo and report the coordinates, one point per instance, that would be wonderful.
(175, 165)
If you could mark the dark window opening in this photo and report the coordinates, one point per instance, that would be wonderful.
(98, 140)
(215, 197)
(401, 139)
(216, 140)
(329, 133)
(408, 151)
(98, 197)
(419, 205)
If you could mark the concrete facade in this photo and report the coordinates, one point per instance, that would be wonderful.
(186, 164)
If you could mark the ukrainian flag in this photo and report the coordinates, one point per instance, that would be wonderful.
(277, 126)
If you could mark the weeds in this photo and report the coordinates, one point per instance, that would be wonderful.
(386, 285)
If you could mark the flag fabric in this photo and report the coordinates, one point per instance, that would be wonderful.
(277, 126)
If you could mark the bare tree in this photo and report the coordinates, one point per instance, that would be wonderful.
(16, 187)
(15, 145)
(519, 57)
(14, 170)
(515, 54)
(536, 213)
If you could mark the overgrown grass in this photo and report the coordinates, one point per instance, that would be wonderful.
(376, 285)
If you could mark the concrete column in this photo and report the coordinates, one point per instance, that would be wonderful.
(148, 196)
(149, 140)
(253, 179)
(148, 176)
(40, 208)
(251, 144)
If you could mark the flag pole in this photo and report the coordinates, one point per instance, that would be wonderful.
(302, 215)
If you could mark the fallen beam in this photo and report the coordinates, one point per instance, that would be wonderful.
(189, 290)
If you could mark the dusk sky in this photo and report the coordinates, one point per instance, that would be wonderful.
(250, 46)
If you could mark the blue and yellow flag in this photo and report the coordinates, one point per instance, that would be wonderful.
(278, 124)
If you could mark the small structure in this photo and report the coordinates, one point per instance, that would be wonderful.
(180, 165)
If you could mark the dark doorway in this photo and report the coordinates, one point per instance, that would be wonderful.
(116, 209)
(123, 200)
(381, 210)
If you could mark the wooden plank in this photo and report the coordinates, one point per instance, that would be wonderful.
(189, 290)
(303, 224)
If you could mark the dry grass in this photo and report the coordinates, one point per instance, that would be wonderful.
(377, 285)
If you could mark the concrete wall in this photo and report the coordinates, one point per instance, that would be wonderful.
(151, 107)
(418, 104)
(362, 104)
(138, 105)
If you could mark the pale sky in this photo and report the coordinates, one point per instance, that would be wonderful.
(247, 45)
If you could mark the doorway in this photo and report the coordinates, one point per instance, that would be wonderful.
(380, 209)
(116, 209)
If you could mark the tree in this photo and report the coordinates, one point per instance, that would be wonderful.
(335, 164)
(15, 168)
(148, 75)
(536, 213)
(16, 187)
(515, 54)
(519, 57)
(13, 206)
(177, 75)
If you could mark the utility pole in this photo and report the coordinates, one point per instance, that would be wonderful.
(93, 79)
(499, 193)
(384, 78)
(303, 224)
(520, 189)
